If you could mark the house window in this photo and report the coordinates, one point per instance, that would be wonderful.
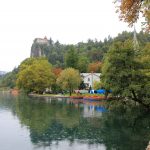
(88, 79)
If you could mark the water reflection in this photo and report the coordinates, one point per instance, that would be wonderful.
(74, 124)
(90, 108)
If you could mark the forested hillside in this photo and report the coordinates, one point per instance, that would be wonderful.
(80, 55)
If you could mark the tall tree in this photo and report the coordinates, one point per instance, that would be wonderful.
(122, 73)
(71, 58)
(82, 64)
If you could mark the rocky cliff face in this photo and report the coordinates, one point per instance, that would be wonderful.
(37, 49)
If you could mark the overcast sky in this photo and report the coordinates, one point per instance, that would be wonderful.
(69, 21)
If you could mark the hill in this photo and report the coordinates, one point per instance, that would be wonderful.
(92, 50)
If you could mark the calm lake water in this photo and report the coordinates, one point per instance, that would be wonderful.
(59, 124)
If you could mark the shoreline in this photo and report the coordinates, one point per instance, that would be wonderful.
(48, 95)
(69, 97)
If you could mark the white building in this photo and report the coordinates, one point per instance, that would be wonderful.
(90, 78)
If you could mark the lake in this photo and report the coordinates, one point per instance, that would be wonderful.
(45, 123)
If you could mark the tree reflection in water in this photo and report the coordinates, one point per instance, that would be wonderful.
(52, 121)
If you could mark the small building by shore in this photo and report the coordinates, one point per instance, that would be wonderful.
(90, 78)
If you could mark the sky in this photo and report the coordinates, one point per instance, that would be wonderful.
(69, 21)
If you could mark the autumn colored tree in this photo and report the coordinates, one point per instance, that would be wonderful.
(129, 11)
(69, 79)
(95, 67)
(56, 71)
(55, 88)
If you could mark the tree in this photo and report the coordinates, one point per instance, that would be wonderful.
(122, 73)
(36, 76)
(82, 85)
(69, 79)
(26, 63)
(145, 61)
(95, 54)
(129, 11)
(82, 64)
(71, 58)
(57, 71)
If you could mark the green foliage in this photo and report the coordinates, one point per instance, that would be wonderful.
(71, 58)
(145, 59)
(26, 63)
(97, 85)
(82, 64)
(116, 71)
(122, 72)
(69, 79)
(35, 75)
(9, 79)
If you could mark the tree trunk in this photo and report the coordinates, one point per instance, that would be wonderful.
(139, 101)
(70, 91)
